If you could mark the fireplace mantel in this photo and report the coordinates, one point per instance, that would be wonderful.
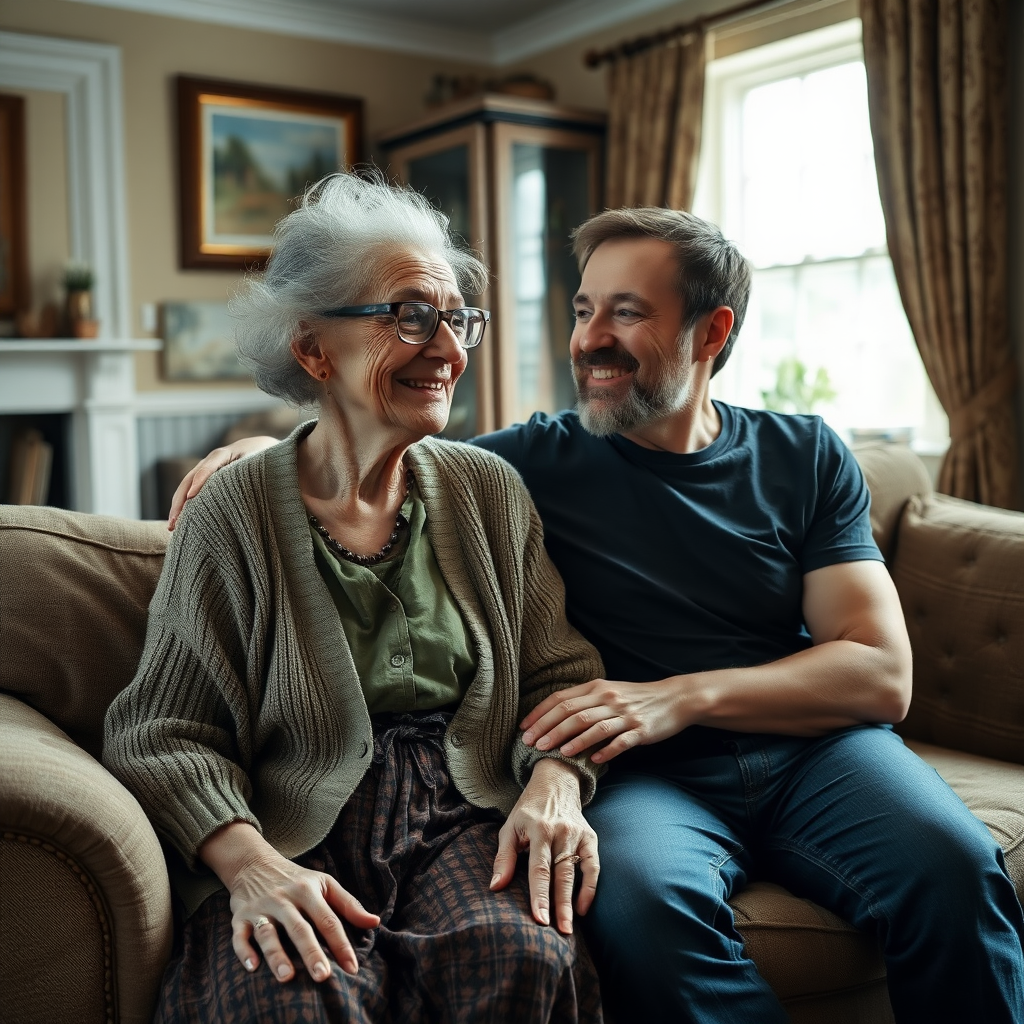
(94, 382)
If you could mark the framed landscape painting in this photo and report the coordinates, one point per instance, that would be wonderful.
(247, 152)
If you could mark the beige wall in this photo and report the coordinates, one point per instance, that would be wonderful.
(153, 50)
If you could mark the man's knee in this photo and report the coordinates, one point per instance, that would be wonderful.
(961, 871)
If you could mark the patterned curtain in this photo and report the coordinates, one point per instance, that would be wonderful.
(938, 97)
(656, 100)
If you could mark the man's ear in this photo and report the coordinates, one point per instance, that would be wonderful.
(306, 349)
(713, 332)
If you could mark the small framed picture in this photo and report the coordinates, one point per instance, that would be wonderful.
(199, 342)
(246, 153)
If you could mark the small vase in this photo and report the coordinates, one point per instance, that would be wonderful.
(77, 308)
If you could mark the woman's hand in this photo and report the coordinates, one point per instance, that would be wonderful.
(217, 459)
(615, 714)
(269, 892)
(549, 820)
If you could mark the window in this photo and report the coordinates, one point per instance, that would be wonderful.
(787, 170)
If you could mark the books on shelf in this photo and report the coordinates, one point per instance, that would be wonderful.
(30, 466)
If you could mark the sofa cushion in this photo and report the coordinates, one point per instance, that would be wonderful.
(799, 948)
(73, 611)
(893, 473)
(959, 570)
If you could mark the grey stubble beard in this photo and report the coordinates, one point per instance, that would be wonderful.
(643, 404)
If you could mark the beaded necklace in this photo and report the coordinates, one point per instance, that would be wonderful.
(350, 556)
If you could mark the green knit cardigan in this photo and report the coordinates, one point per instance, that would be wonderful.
(246, 705)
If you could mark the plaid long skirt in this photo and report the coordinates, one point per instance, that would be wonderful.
(414, 851)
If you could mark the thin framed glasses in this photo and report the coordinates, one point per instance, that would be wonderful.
(417, 322)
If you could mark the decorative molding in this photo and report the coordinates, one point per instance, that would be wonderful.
(200, 401)
(309, 19)
(36, 345)
(566, 22)
(89, 77)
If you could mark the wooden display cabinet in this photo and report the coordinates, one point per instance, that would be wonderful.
(515, 177)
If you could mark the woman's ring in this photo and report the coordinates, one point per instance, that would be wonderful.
(575, 858)
(259, 923)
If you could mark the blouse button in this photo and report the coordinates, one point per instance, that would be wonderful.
(366, 747)
(456, 739)
(398, 660)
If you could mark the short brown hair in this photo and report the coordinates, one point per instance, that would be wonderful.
(712, 272)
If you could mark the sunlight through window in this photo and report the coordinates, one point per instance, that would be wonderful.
(787, 169)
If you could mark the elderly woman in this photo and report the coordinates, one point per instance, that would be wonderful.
(348, 628)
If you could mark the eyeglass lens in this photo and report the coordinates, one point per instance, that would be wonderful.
(417, 321)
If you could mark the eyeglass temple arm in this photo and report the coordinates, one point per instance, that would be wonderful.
(380, 308)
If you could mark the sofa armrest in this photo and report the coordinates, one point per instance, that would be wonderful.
(85, 908)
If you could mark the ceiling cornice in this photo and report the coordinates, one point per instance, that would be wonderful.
(565, 23)
(311, 20)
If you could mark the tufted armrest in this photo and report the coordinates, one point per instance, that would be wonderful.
(80, 862)
(959, 570)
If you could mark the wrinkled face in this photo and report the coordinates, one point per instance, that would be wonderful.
(377, 380)
(631, 359)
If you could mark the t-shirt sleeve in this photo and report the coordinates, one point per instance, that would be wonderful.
(840, 527)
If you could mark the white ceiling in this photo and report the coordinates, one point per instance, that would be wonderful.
(496, 32)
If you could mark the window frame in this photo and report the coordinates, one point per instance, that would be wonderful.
(718, 196)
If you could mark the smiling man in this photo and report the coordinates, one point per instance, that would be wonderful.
(721, 560)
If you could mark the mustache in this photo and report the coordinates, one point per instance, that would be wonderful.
(606, 357)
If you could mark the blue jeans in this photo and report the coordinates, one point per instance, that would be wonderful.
(853, 821)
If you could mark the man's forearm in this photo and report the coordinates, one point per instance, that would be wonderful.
(830, 686)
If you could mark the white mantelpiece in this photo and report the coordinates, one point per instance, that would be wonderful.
(93, 381)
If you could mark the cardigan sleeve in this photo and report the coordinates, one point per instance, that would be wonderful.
(178, 735)
(552, 655)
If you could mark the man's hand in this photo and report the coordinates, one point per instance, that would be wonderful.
(270, 892)
(217, 459)
(614, 714)
(548, 819)
(857, 670)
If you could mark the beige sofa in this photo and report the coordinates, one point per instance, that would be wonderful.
(85, 913)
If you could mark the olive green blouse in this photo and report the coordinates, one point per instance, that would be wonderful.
(408, 640)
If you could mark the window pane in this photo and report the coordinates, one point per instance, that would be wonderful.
(809, 187)
(801, 201)
(844, 317)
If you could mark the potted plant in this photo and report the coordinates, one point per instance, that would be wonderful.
(793, 392)
(78, 282)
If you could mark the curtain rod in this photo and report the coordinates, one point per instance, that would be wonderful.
(630, 47)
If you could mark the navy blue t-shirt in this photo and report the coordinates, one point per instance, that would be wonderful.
(684, 563)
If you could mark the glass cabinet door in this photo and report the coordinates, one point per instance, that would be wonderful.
(448, 169)
(547, 185)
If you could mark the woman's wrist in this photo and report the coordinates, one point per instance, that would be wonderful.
(554, 771)
(233, 848)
